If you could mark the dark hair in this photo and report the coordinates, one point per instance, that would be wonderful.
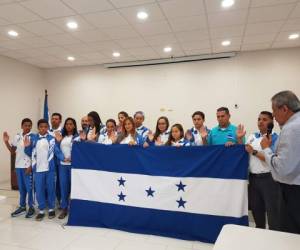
(179, 126)
(64, 130)
(26, 120)
(199, 113)
(225, 109)
(139, 113)
(42, 121)
(111, 120)
(96, 118)
(123, 113)
(57, 114)
(157, 132)
(267, 113)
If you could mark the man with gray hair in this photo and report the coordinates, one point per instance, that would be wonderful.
(285, 161)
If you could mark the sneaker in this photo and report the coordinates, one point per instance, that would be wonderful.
(51, 214)
(19, 211)
(63, 214)
(40, 216)
(30, 213)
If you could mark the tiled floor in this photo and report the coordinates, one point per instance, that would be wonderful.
(21, 234)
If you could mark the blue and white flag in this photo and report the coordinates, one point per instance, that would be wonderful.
(187, 192)
(46, 110)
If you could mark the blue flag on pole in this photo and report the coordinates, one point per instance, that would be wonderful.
(187, 192)
(46, 110)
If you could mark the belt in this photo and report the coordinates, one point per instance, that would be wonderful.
(261, 175)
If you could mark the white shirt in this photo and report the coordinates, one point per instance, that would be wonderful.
(257, 166)
(181, 142)
(22, 160)
(143, 131)
(66, 148)
(104, 139)
(197, 137)
(42, 150)
(53, 131)
(127, 139)
(164, 137)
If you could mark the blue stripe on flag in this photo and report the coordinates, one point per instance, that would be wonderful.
(207, 161)
(187, 226)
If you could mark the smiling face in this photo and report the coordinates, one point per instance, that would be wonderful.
(110, 127)
(162, 125)
(129, 126)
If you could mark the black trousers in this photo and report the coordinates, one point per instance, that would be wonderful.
(290, 208)
(264, 199)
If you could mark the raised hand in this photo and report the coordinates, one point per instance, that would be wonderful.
(26, 141)
(240, 132)
(58, 136)
(150, 135)
(203, 132)
(5, 137)
(113, 137)
(82, 135)
(188, 135)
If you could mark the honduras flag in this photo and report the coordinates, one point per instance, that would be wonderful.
(186, 192)
(46, 110)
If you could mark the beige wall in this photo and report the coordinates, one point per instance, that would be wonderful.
(249, 80)
(21, 91)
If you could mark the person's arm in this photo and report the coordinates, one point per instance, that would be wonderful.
(259, 155)
(11, 148)
(240, 134)
(283, 162)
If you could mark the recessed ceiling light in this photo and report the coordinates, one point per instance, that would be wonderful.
(142, 15)
(167, 49)
(13, 33)
(227, 3)
(72, 25)
(293, 36)
(226, 43)
(71, 58)
(116, 54)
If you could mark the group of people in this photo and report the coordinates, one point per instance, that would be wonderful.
(274, 169)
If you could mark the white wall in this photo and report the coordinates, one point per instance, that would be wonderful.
(21, 91)
(249, 80)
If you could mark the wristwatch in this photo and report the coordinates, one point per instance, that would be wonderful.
(254, 152)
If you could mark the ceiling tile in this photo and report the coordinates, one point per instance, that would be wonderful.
(161, 39)
(198, 52)
(231, 31)
(126, 3)
(291, 25)
(256, 46)
(145, 52)
(120, 32)
(296, 11)
(33, 52)
(85, 6)
(284, 36)
(179, 8)
(16, 54)
(188, 23)
(260, 3)
(190, 36)
(12, 45)
(108, 53)
(4, 22)
(22, 32)
(48, 9)
(106, 19)
(36, 42)
(215, 5)
(270, 13)
(153, 28)
(228, 18)
(61, 23)
(132, 43)
(196, 45)
(263, 38)
(41, 28)
(80, 48)
(62, 39)
(153, 10)
(104, 45)
(176, 51)
(235, 43)
(288, 44)
(91, 36)
(263, 28)
(15, 13)
(226, 49)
